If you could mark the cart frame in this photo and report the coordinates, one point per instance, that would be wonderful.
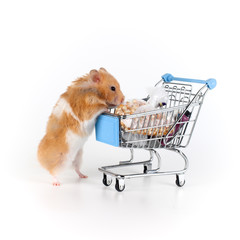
(182, 100)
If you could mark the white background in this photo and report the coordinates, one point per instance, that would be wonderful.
(44, 45)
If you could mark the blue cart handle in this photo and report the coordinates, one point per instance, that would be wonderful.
(211, 83)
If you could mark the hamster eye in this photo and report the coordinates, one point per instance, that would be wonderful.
(113, 88)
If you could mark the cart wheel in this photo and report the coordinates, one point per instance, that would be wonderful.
(106, 180)
(120, 186)
(180, 181)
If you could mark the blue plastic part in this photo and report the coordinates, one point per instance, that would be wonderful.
(211, 83)
(107, 129)
(167, 77)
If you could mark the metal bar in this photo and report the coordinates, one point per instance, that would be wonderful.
(157, 111)
(193, 125)
(150, 172)
(159, 162)
(184, 112)
(125, 164)
(128, 161)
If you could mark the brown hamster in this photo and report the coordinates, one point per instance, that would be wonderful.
(73, 119)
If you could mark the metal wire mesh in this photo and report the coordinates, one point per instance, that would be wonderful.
(164, 127)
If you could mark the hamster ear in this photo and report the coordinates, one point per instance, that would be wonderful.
(94, 76)
(103, 69)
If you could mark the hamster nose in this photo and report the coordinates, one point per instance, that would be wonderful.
(122, 100)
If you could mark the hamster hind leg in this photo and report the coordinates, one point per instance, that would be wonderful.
(54, 171)
(77, 164)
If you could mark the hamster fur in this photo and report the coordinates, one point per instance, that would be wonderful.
(73, 119)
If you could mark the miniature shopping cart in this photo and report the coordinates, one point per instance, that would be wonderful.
(182, 108)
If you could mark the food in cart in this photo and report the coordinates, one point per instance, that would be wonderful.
(150, 125)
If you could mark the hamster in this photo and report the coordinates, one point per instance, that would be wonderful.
(73, 119)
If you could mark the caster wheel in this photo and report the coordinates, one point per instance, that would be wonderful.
(180, 181)
(145, 169)
(120, 186)
(106, 180)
